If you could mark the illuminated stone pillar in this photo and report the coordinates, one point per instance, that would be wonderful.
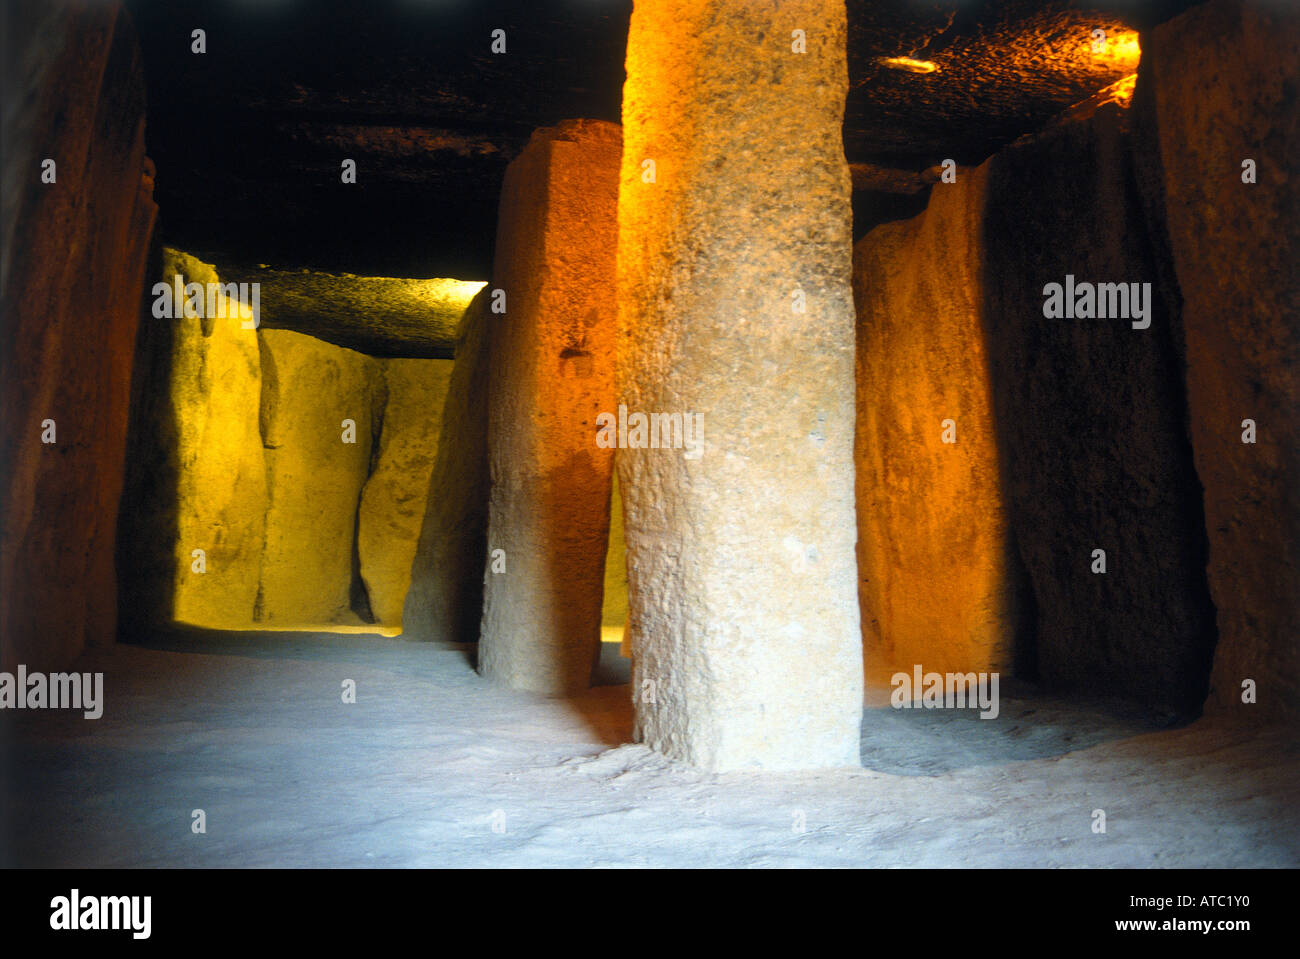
(551, 374)
(735, 250)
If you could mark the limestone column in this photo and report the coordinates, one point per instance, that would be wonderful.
(551, 373)
(735, 306)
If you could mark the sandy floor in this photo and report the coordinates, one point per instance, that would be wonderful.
(434, 767)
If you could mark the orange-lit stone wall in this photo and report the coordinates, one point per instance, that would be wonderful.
(932, 530)
(1060, 537)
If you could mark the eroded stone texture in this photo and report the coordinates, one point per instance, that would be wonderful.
(393, 500)
(742, 600)
(309, 565)
(445, 600)
(932, 530)
(1090, 418)
(1217, 87)
(198, 474)
(551, 373)
(382, 316)
(276, 523)
(73, 267)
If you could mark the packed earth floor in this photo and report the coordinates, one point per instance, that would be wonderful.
(434, 766)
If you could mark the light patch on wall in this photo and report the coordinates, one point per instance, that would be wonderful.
(447, 292)
(1120, 47)
(909, 65)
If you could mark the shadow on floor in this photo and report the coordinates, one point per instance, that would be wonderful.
(1029, 725)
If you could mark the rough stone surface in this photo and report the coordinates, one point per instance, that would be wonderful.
(73, 267)
(238, 450)
(1218, 86)
(445, 600)
(551, 373)
(198, 477)
(742, 600)
(379, 315)
(432, 119)
(1090, 422)
(932, 530)
(1001, 69)
(393, 500)
(309, 569)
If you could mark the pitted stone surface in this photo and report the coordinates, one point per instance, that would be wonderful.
(932, 528)
(552, 365)
(742, 605)
(395, 496)
(1217, 87)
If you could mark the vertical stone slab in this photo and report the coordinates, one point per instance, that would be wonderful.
(198, 474)
(445, 600)
(932, 530)
(742, 603)
(394, 499)
(309, 568)
(1090, 416)
(551, 374)
(1217, 87)
(73, 266)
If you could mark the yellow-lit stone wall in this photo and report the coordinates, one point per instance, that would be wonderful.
(318, 417)
(220, 505)
(280, 480)
(394, 498)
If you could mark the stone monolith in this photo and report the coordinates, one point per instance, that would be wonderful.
(1219, 136)
(736, 314)
(552, 366)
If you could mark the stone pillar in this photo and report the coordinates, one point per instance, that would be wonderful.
(551, 373)
(735, 259)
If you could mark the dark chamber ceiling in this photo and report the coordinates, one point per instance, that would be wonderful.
(249, 137)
